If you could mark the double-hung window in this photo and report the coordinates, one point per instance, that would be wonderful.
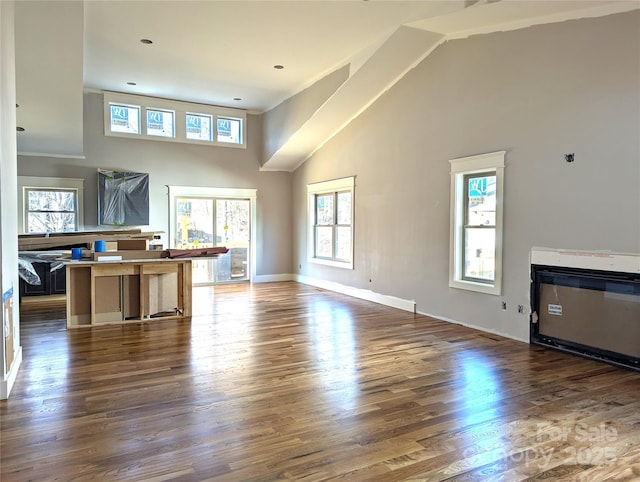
(476, 223)
(331, 222)
(50, 205)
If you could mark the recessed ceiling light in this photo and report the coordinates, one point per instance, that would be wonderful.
(20, 129)
(131, 83)
(146, 41)
(278, 67)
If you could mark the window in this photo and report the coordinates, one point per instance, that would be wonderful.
(160, 123)
(199, 127)
(476, 223)
(151, 118)
(207, 216)
(331, 222)
(229, 130)
(124, 118)
(50, 211)
(50, 204)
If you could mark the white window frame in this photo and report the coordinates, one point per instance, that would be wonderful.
(180, 109)
(162, 111)
(216, 192)
(211, 126)
(124, 106)
(327, 187)
(49, 183)
(490, 163)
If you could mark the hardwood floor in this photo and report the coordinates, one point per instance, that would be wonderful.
(286, 381)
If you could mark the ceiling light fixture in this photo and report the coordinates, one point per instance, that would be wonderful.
(146, 41)
(20, 129)
(278, 67)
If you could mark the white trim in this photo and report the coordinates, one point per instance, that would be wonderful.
(50, 154)
(180, 110)
(392, 301)
(7, 384)
(216, 192)
(334, 185)
(489, 162)
(26, 182)
(599, 260)
(475, 327)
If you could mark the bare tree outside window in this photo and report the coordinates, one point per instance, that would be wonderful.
(51, 210)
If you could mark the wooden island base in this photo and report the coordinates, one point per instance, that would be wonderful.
(101, 292)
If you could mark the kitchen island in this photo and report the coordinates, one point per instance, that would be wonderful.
(103, 292)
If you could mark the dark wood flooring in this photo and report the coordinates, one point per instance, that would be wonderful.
(283, 381)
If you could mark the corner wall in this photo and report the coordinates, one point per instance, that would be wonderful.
(538, 93)
(10, 349)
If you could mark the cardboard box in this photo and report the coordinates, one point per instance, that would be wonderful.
(127, 244)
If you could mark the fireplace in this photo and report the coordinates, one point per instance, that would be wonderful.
(588, 304)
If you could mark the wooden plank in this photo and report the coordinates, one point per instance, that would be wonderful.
(115, 269)
(78, 294)
(133, 254)
(159, 268)
(107, 296)
(40, 242)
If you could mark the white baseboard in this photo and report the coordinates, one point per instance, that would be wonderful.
(475, 327)
(392, 301)
(7, 384)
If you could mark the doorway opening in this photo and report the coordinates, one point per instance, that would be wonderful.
(210, 217)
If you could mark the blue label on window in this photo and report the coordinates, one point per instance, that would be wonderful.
(119, 115)
(224, 127)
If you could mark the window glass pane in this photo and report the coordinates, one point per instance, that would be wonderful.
(324, 209)
(125, 119)
(51, 222)
(51, 200)
(344, 208)
(343, 243)
(194, 218)
(324, 241)
(479, 253)
(159, 123)
(229, 130)
(199, 127)
(481, 200)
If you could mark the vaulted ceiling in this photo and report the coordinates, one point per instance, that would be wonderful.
(224, 53)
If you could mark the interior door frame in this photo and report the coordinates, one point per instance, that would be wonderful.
(216, 192)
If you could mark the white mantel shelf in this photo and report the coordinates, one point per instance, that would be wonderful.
(597, 260)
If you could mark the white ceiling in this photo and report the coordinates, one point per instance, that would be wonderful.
(214, 51)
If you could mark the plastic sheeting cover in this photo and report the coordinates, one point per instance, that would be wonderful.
(123, 198)
(27, 272)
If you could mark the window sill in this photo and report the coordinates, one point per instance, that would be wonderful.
(329, 262)
(477, 287)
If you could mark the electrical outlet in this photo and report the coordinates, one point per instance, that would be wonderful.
(520, 309)
(504, 305)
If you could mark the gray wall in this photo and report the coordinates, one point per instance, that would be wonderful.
(183, 165)
(284, 120)
(538, 93)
